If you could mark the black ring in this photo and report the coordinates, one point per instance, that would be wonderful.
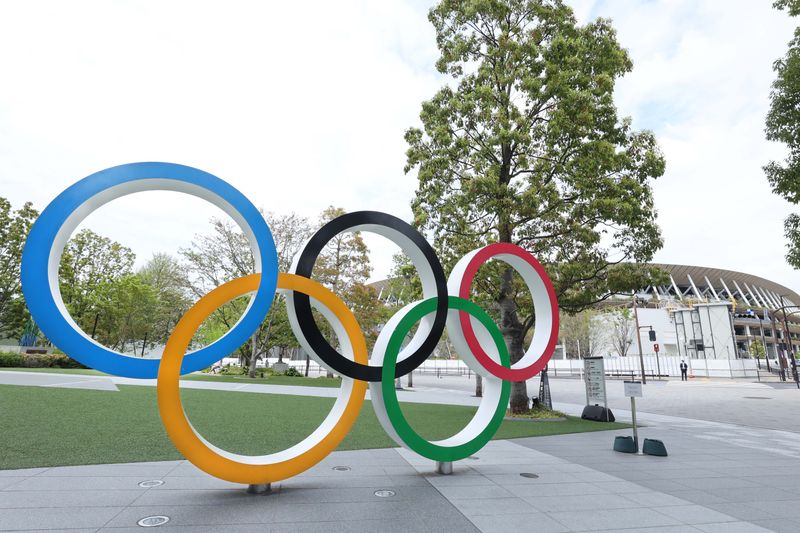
(302, 303)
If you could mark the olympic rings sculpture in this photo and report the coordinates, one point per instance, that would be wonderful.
(445, 305)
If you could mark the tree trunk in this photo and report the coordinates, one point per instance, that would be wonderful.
(478, 386)
(514, 335)
(253, 357)
(411, 379)
(308, 362)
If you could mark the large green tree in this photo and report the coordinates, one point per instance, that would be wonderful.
(783, 125)
(14, 227)
(89, 266)
(524, 145)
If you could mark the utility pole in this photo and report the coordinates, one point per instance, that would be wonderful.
(639, 337)
(788, 338)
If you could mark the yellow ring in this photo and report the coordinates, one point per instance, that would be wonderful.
(222, 464)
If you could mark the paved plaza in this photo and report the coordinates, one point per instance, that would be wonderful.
(718, 477)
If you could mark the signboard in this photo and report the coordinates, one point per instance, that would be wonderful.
(595, 380)
(633, 389)
(655, 348)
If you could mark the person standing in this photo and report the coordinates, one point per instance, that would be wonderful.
(684, 370)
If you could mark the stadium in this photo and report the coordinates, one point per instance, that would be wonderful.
(714, 319)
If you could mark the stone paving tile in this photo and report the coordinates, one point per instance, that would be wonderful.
(638, 519)
(52, 499)
(538, 522)
(79, 517)
(547, 503)
(565, 489)
(473, 492)
(695, 514)
(79, 483)
(654, 499)
(197, 515)
(761, 493)
(120, 470)
(733, 527)
(783, 509)
(617, 487)
(22, 472)
(459, 480)
(742, 511)
(656, 529)
(492, 506)
(781, 525)
(8, 481)
(701, 497)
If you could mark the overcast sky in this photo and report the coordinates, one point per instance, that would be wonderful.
(304, 108)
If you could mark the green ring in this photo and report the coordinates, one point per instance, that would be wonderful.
(406, 433)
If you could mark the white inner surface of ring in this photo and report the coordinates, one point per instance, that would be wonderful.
(541, 306)
(124, 189)
(327, 425)
(428, 291)
(492, 390)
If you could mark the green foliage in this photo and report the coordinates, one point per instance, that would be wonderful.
(757, 349)
(10, 359)
(292, 372)
(792, 6)
(14, 228)
(783, 126)
(233, 370)
(223, 255)
(17, 360)
(525, 146)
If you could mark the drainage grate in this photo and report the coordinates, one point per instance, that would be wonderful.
(756, 398)
(529, 475)
(384, 493)
(341, 468)
(473, 457)
(151, 483)
(153, 521)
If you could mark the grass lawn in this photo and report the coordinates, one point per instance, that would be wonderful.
(42, 426)
(321, 381)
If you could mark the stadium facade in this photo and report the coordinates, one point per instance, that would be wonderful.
(713, 319)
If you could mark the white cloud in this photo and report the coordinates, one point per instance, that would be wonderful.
(300, 108)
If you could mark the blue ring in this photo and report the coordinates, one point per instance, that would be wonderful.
(36, 284)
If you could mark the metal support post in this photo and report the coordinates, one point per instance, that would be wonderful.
(635, 431)
(259, 488)
(639, 337)
(444, 467)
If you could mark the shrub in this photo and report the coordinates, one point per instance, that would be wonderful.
(231, 370)
(26, 360)
(292, 371)
(9, 359)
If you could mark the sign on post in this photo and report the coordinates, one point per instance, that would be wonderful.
(595, 373)
(633, 389)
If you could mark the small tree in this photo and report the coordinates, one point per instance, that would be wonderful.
(757, 349)
(623, 329)
(580, 333)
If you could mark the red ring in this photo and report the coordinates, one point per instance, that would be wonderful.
(508, 374)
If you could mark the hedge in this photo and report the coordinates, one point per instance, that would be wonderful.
(22, 360)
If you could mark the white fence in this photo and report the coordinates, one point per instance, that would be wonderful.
(666, 366)
(624, 367)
